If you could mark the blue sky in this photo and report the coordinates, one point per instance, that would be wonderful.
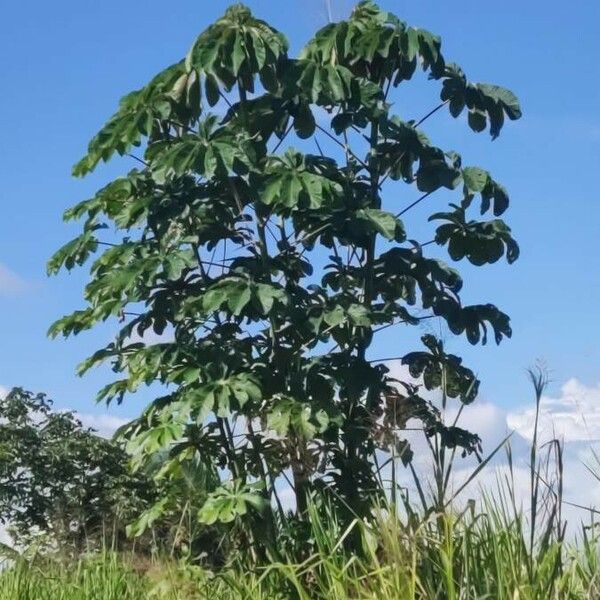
(65, 64)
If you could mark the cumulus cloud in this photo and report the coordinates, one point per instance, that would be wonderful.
(574, 416)
(104, 425)
(10, 283)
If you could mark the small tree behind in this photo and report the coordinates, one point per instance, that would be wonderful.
(60, 484)
(270, 267)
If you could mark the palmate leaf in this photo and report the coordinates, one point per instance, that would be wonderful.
(474, 321)
(138, 113)
(385, 223)
(213, 151)
(73, 253)
(404, 146)
(221, 397)
(124, 200)
(484, 102)
(426, 272)
(264, 116)
(479, 181)
(437, 169)
(480, 242)
(376, 45)
(441, 370)
(322, 84)
(76, 322)
(287, 415)
(229, 502)
(296, 181)
(237, 46)
(238, 295)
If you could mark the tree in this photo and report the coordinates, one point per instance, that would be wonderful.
(265, 243)
(60, 483)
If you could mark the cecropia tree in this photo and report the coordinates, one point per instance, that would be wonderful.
(264, 234)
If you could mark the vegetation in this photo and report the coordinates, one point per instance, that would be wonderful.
(61, 485)
(250, 258)
(469, 555)
(499, 548)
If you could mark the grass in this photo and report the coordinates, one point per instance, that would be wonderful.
(104, 577)
(479, 554)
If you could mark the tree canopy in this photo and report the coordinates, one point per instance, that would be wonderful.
(60, 484)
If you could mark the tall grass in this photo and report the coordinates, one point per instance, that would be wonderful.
(103, 577)
(477, 554)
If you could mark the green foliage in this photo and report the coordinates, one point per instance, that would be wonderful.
(59, 483)
(268, 272)
(229, 502)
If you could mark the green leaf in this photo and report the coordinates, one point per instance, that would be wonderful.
(304, 122)
(238, 298)
(477, 121)
(227, 503)
(73, 253)
(267, 294)
(359, 315)
(212, 89)
(384, 222)
(475, 179)
(335, 317)
(504, 97)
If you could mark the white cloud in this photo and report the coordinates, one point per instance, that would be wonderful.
(3, 392)
(104, 424)
(10, 283)
(574, 416)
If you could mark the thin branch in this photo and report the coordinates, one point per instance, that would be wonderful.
(181, 125)
(363, 135)
(380, 360)
(344, 146)
(268, 226)
(282, 139)
(319, 146)
(401, 321)
(431, 112)
(212, 258)
(215, 264)
(413, 204)
(143, 162)
(226, 99)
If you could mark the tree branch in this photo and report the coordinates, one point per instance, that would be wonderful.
(430, 113)
(413, 204)
(344, 146)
